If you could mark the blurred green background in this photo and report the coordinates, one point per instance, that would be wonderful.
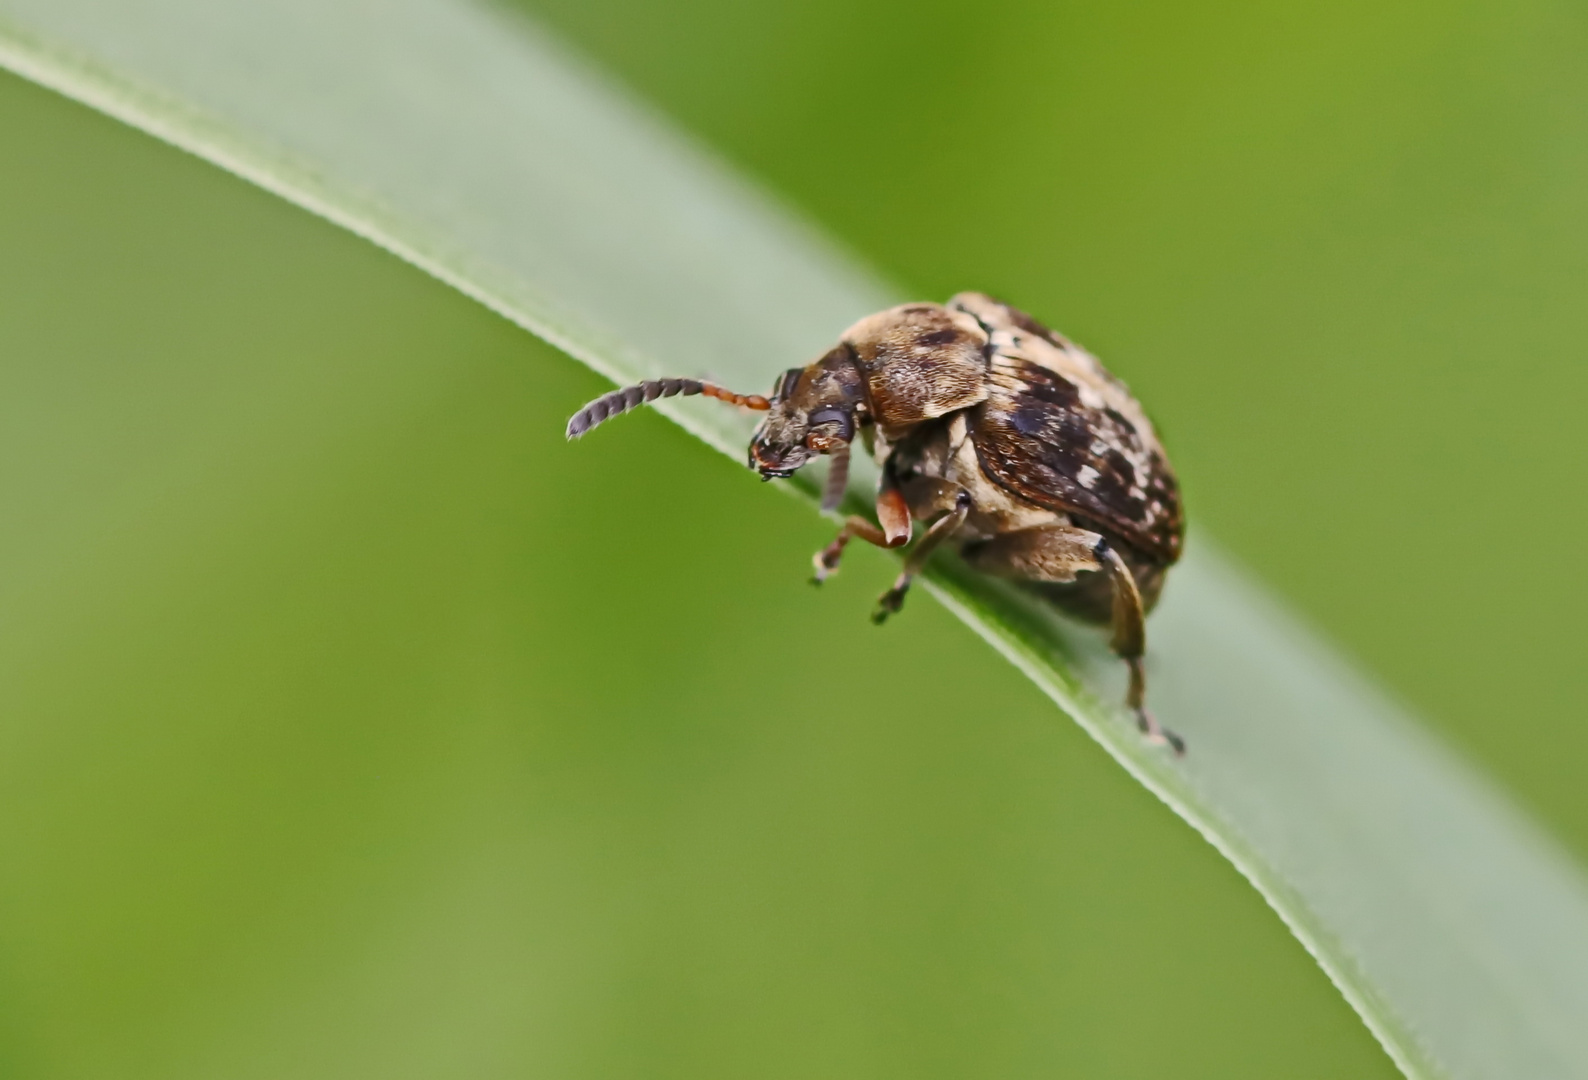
(352, 724)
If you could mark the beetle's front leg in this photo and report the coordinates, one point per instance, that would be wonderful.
(892, 530)
(1057, 553)
(926, 496)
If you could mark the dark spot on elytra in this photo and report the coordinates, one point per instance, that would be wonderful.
(1049, 387)
(1032, 326)
(1120, 465)
(936, 338)
(1057, 390)
(1119, 418)
(1074, 428)
(1030, 418)
(1116, 496)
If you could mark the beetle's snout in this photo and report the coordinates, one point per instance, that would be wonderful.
(772, 465)
(777, 450)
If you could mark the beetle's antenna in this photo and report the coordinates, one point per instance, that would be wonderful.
(607, 406)
(837, 479)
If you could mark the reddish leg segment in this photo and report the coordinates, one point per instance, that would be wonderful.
(944, 527)
(827, 559)
(893, 530)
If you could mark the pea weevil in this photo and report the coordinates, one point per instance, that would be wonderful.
(992, 431)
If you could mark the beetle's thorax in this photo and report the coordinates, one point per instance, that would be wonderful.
(896, 370)
(918, 362)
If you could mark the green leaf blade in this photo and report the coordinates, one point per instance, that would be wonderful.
(1399, 869)
(593, 180)
(460, 139)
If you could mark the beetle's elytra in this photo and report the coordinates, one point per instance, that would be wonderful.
(993, 432)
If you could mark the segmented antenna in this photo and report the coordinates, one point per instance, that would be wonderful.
(837, 479)
(607, 406)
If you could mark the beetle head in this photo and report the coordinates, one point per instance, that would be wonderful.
(812, 411)
(815, 411)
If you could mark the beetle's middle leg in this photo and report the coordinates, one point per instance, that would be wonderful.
(1057, 553)
(927, 496)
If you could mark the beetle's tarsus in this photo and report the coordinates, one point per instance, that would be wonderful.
(825, 567)
(827, 559)
(826, 562)
(1156, 734)
(889, 603)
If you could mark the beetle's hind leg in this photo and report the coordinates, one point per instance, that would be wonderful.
(1129, 642)
(1150, 728)
(1057, 553)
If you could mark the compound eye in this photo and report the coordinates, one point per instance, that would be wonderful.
(843, 417)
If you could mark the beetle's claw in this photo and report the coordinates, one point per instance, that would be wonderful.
(1168, 738)
(888, 603)
(823, 569)
(1156, 735)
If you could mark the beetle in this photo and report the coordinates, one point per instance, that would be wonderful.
(993, 432)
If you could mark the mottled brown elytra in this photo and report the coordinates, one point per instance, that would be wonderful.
(992, 431)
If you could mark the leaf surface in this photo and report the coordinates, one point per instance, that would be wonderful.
(460, 138)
